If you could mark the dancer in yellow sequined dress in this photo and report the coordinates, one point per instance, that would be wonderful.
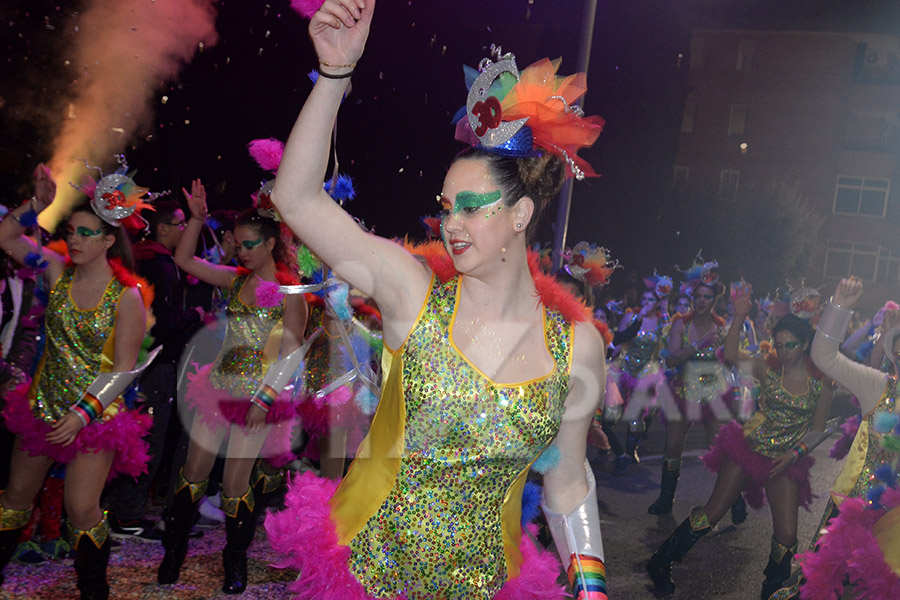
(486, 362)
(261, 324)
(95, 322)
(767, 453)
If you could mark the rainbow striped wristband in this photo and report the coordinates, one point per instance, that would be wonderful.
(587, 577)
(88, 408)
(264, 398)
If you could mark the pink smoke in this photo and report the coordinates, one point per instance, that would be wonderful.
(124, 50)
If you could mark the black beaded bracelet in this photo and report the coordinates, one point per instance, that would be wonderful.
(339, 76)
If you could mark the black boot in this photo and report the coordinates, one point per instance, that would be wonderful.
(739, 510)
(265, 487)
(240, 527)
(671, 471)
(12, 522)
(675, 547)
(91, 559)
(179, 519)
(778, 569)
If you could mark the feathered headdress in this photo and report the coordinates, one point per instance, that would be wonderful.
(520, 115)
(699, 272)
(589, 263)
(804, 301)
(116, 198)
(268, 154)
(660, 284)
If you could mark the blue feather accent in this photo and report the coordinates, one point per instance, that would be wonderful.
(366, 400)
(548, 459)
(886, 474)
(313, 76)
(874, 496)
(885, 422)
(458, 115)
(213, 223)
(531, 501)
(130, 395)
(864, 350)
(28, 218)
(35, 261)
(343, 188)
(337, 298)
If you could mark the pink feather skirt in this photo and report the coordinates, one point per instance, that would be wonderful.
(306, 536)
(122, 434)
(730, 443)
(217, 408)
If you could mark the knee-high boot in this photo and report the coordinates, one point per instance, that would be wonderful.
(240, 527)
(778, 569)
(91, 559)
(180, 518)
(12, 522)
(676, 547)
(265, 486)
(671, 470)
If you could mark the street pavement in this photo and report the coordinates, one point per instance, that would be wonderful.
(728, 563)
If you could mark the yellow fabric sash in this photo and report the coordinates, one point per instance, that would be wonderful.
(374, 471)
(272, 348)
(853, 465)
(887, 533)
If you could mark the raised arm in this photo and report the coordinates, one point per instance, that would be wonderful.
(732, 349)
(377, 267)
(866, 383)
(12, 230)
(217, 275)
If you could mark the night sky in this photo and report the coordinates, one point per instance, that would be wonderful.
(394, 131)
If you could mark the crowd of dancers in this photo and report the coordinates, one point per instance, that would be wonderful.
(456, 372)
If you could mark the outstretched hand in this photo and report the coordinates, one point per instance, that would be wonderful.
(44, 187)
(742, 304)
(848, 292)
(196, 199)
(339, 31)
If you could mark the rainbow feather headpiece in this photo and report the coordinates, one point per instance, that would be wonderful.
(520, 115)
(660, 284)
(116, 198)
(589, 263)
(699, 272)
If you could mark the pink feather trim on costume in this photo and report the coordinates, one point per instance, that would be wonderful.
(843, 444)
(267, 294)
(122, 434)
(849, 550)
(305, 533)
(268, 152)
(307, 8)
(217, 408)
(731, 443)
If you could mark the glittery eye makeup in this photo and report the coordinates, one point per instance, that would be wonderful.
(84, 232)
(251, 244)
(474, 200)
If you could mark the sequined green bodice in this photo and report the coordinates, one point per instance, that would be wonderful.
(238, 368)
(701, 378)
(786, 417)
(642, 351)
(466, 441)
(73, 354)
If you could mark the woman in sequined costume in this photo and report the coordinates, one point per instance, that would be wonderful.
(638, 368)
(760, 457)
(876, 392)
(104, 336)
(480, 377)
(221, 392)
(699, 383)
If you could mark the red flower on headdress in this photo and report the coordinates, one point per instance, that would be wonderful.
(114, 199)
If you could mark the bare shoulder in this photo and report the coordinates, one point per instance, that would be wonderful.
(131, 302)
(589, 346)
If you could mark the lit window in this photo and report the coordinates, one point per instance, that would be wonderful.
(888, 266)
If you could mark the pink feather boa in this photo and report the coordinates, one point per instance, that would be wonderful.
(122, 434)
(305, 533)
(731, 443)
(850, 551)
(307, 8)
(217, 408)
